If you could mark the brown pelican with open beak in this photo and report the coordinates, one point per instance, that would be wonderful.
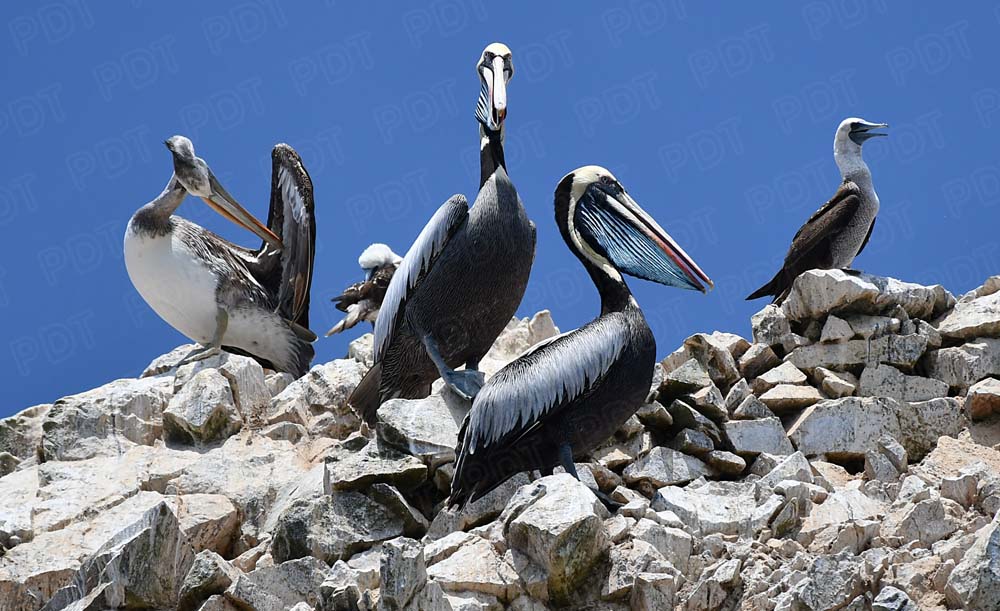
(219, 294)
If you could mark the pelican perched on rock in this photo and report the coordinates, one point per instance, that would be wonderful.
(362, 300)
(225, 296)
(462, 279)
(567, 394)
(836, 233)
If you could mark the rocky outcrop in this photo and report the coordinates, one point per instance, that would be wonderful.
(842, 459)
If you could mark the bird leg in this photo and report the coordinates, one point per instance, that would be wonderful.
(566, 460)
(466, 384)
(214, 346)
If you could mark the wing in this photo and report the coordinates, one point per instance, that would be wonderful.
(291, 216)
(417, 262)
(826, 222)
(351, 295)
(867, 236)
(541, 382)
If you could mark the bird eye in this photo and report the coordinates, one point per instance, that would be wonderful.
(607, 180)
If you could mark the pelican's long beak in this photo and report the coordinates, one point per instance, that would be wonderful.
(228, 207)
(666, 263)
(498, 91)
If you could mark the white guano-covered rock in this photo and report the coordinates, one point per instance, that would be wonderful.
(974, 318)
(962, 366)
(424, 428)
(751, 437)
(817, 293)
(664, 467)
(975, 581)
(203, 411)
(887, 381)
(561, 528)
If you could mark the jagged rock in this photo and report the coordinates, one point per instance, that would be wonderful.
(886, 381)
(983, 398)
(756, 360)
(736, 395)
(557, 522)
(785, 398)
(333, 527)
(962, 488)
(285, 431)
(922, 423)
(786, 373)
(750, 437)
(257, 473)
(978, 317)
(866, 326)
(654, 591)
(8, 463)
(278, 381)
(893, 599)
(900, 350)
(793, 467)
(817, 293)
(725, 462)
(692, 442)
(975, 581)
(209, 521)
(841, 507)
(357, 463)
(962, 366)
(672, 543)
(924, 522)
(203, 411)
(626, 561)
(770, 326)
(655, 416)
(322, 391)
(713, 352)
(402, 572)
(425, 428)
(687, 378)
(21, 433)
(362, 349)
(18, 491)
(710, 403)
(139, 537)
(836, 384)
(836, 330)
(751, 409)
(278, 587)
(476, 567)
(728, 508)
(886, 461)
(103, 421)
(209, 575)
(831, 582)
(665, 467)
(716, 587)
(845, 427)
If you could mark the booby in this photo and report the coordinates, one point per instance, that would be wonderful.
(836, 233)
(362, 300)
(219, 294)
(462, 279)
(567, 394)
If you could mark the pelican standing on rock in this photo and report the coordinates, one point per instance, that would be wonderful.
(362, 300)
(567, 394)
(836, 233)
(225, 296)
(462, 279)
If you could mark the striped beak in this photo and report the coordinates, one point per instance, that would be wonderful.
(635, 243)
(227, 206)
(492, 107)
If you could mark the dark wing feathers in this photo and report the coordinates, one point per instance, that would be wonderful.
(540, 382)
(417, 262)
(825, 223)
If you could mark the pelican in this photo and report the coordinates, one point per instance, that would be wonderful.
(362, 300)
(836, 233)
(219, 294)
(567, 394)
(463, 277)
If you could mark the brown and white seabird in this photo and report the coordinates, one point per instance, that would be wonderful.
(362, 300)
(836, 233)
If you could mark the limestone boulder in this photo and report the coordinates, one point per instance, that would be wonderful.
(817, 293)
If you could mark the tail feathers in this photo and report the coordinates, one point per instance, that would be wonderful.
(365, 399)
(355, 314)
(304, 353)
(777, 286)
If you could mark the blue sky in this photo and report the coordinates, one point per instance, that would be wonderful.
(719, 122)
